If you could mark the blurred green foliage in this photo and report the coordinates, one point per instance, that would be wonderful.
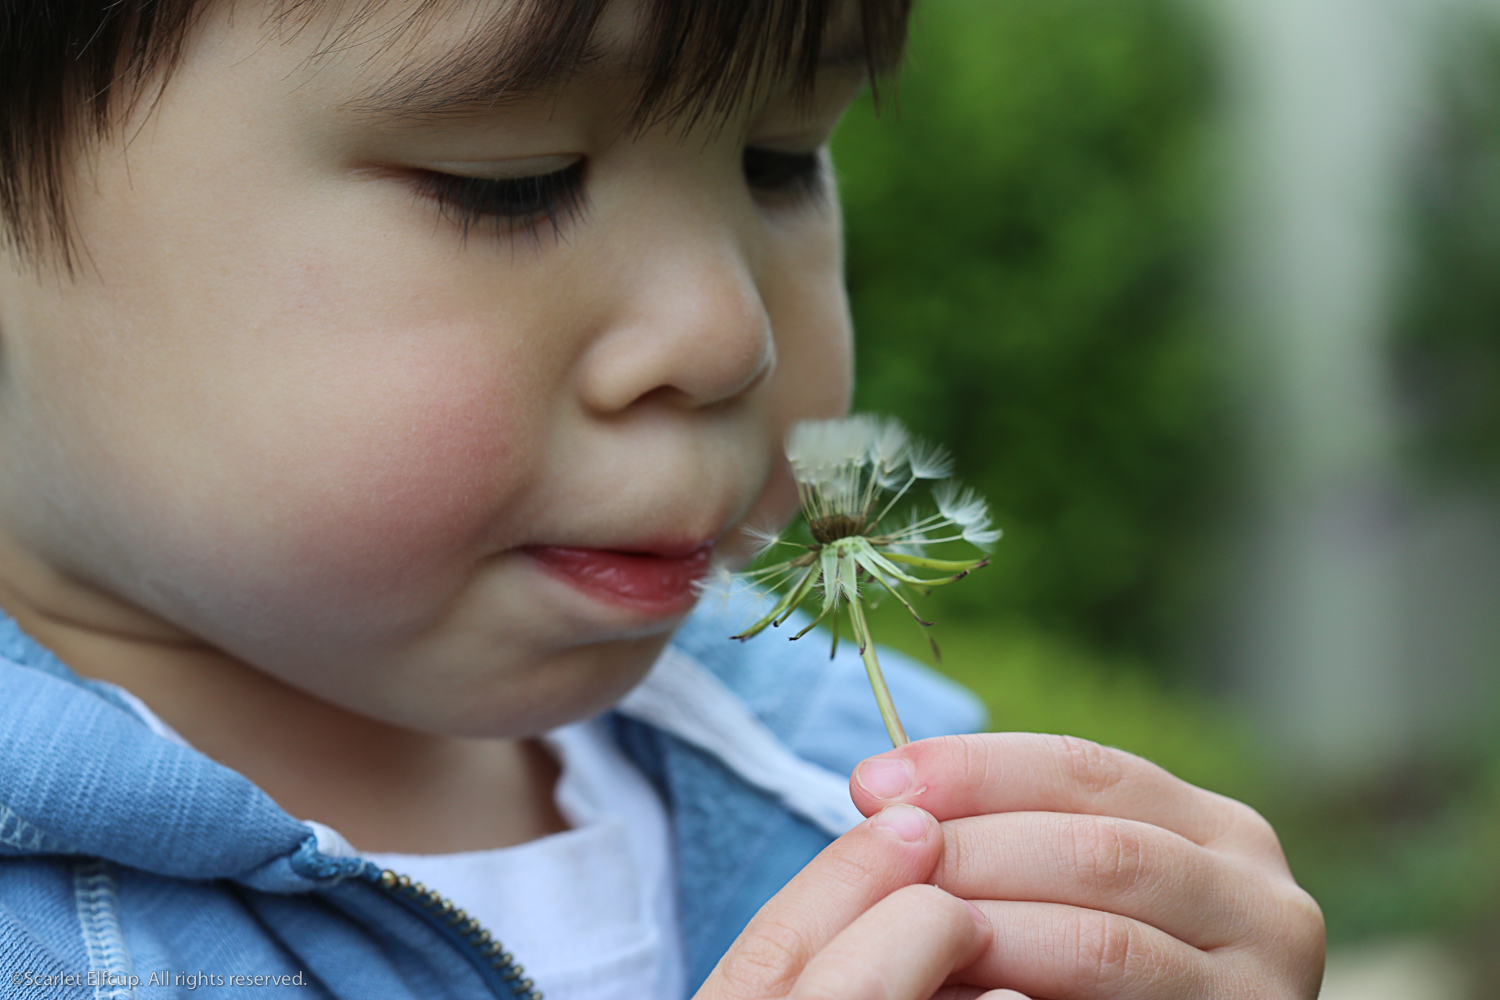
(1027, 227)
(1449, 341)
(1035, 682)
(1418, 852)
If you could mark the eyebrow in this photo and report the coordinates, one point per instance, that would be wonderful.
(471, 80)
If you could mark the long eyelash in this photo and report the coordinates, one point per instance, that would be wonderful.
(798, 177)
(513, 206)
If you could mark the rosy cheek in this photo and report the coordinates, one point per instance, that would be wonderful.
(371, 474)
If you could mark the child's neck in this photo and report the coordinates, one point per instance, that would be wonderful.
(382, 787)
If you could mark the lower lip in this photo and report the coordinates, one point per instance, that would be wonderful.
(656, 584)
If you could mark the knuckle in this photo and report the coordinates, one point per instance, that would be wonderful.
(1094, 768)
(850, 870)
(1245, 824)
(952, 866)
(1109, 951)
(1109, 856)
(1259, 829)
(1305, 924)
(971, 757)
(766, 960)
(1289, 950)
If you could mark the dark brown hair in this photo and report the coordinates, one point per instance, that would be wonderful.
(70, 70)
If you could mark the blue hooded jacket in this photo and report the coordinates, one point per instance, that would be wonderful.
(134, 867)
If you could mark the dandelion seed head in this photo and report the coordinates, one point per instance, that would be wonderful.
(845, 468)
(829, 529)
(819, 449)
(851, 475)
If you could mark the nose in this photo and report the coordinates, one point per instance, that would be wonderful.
(691, 328)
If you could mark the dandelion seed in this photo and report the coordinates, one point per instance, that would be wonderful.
(850, 474)
(931, 461)
(969, 512)
(762, 540)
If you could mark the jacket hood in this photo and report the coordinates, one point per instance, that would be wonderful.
(81, 774)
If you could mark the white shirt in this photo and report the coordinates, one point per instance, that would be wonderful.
(589, 913)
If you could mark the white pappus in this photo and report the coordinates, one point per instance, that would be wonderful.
(850, 474)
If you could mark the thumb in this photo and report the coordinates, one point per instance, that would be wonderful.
(897, 847)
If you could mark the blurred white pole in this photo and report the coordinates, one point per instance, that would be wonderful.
(1402, 969)
(1329, 100)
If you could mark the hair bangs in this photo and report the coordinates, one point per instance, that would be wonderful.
(701, 57)
(72, 70)
(68, 71)
(689, 58)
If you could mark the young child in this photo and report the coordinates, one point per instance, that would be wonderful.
(377, 377)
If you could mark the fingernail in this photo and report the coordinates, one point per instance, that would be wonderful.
(885, 777)
(907, 822)
(979, 917)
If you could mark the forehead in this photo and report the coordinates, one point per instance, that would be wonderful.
(440, 58)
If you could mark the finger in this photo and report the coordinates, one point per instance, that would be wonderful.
(1072, 953)
(1206, 898)
(902, 948)
(956, 776)
(897, 847)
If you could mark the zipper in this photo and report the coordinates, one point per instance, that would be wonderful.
(496, 966)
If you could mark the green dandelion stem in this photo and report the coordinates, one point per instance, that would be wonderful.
(877, 679)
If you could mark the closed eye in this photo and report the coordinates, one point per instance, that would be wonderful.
(510, 205)
(791, 177)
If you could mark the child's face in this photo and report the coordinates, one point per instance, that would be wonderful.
(288, 408)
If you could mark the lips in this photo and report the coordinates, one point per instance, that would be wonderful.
(658, 582)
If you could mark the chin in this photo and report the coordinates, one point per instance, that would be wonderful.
(570, 686)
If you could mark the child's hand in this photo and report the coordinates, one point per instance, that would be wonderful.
(1103, 876)
(860, 921)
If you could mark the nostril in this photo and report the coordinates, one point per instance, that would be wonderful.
(686, 364)
(665, 395)
(691, 328)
